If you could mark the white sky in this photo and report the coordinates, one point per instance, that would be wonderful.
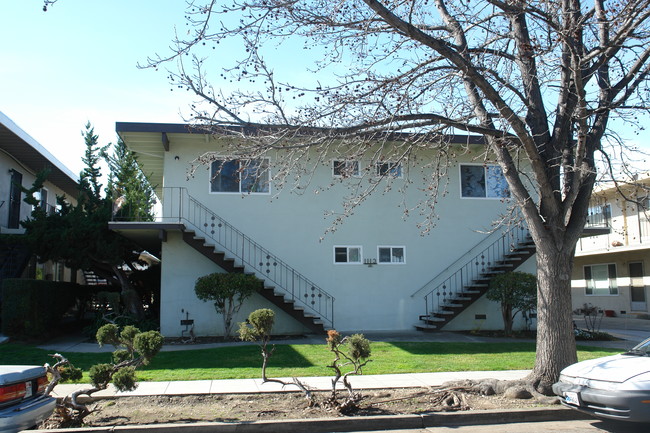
(77, 63)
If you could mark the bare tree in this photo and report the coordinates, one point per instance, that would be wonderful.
(539, 80)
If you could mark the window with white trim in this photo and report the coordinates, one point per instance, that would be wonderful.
(345, 168)
(389, 254)
(244, 176)
(347, 254)
(392, 169)
(483, 181)
(601, 279)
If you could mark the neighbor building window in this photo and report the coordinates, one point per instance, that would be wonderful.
(345, 254)
(345, 168)
(390, 254)
(601, 279)
(483, 181)
(393, 169)
(599, 215)
(245, 176)
(41, 196)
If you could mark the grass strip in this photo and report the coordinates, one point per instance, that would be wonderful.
(304, 360)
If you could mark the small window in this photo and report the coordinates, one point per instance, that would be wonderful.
(347, 255)
(601, 279)
(240, 176)
(345, 168)
(392, 169)
(42, 200)
(478, 181)
(391, 254)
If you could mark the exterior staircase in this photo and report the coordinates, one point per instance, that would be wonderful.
(471, 280)
(92, 279)
(234, 251)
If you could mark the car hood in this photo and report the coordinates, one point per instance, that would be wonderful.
(617, 368)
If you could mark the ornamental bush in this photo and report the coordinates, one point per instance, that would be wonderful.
(516, 292)
(228, 292)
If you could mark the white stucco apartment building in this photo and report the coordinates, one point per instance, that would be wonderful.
(612, 270)
(376, 271)
(21, 159)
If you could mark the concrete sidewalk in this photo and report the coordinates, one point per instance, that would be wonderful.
(250, 386)
(630, 331)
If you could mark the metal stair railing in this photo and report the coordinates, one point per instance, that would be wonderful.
(179, 206)
(476, 267)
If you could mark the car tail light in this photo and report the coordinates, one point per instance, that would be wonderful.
(42, 383)
(12, 392)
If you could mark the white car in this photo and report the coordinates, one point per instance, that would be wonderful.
(613, 387)
(22, 403)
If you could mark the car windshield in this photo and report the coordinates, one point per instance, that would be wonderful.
(642, 349)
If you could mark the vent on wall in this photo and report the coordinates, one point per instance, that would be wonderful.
(480, 316)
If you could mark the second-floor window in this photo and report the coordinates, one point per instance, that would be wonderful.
(345, 168)
(347, 254)
(601, 279)
(249, 176)
(392, 169)
(390, 254)
(483, 181)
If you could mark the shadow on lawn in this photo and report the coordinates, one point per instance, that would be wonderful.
(451, 348)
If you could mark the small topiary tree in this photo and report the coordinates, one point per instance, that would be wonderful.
(351, 353)
(257, 328)
(517, 293)
(133, 349)
(228, 292)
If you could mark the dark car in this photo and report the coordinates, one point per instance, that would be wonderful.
(22, 401)
(613, 387)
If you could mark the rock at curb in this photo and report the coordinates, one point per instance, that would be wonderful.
(517, 393)
(486, 389)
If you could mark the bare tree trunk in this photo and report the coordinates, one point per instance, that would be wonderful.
(556, 346)
(506, 313)
(130, 298)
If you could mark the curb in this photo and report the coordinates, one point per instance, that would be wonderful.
(366, 423)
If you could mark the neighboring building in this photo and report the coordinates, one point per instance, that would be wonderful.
(21, 158)
(612, 270)
(372, 273)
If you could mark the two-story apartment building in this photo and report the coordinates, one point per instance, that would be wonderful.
(612, 271)
(21, 158)
(376, 271)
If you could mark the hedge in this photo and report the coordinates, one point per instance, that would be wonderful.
(31, 308)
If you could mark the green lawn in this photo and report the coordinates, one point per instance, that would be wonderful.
(304, 360)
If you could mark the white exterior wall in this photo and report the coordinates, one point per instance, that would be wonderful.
(621, 303)
(291, 226)
(178, 301)
(8, 163)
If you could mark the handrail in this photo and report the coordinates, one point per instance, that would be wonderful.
(178, 205)
(593, 221)
(444, 272)
(481, 263)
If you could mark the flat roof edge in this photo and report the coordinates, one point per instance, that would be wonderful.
(38, 147)
(182, 128)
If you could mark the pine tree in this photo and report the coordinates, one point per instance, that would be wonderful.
(129, 189)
